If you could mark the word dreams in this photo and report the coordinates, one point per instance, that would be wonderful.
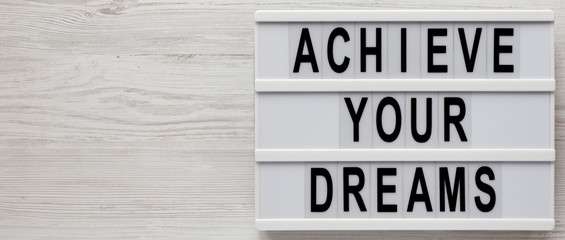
(451, 189)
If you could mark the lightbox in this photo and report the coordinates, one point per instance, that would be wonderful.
(404, 120)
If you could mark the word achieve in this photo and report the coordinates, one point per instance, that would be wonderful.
(469, 53)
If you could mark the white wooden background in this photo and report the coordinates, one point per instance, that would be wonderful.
(134, 119)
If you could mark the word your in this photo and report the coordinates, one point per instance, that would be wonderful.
(449, 118)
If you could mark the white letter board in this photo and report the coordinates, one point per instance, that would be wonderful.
(404, 120)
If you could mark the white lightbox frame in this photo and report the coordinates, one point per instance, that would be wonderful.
(406, 85)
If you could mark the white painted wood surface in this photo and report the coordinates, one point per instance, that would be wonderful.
(134, 119)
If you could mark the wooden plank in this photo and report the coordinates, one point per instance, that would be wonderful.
(128, 120)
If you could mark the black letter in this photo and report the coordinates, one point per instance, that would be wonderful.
(370, 50)
(426, 136)
(355, 117)
(326, 205)
(485, 188)
(403, 49)
(458, 186)
(498, 49)
(432, 32)
(311, 57)
(455, 120)
(424, 196)
(470, 61)
(381, 207)
(337, 68)
(384, 136)
(347, 189)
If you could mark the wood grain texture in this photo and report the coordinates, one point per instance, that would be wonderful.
(134, 119)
